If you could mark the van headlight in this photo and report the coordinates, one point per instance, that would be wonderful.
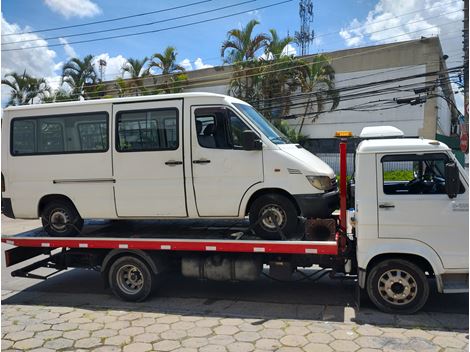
(320, 182)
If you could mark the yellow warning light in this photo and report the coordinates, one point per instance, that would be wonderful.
(343, 134)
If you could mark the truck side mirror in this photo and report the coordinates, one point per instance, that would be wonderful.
(452, 179)
(251, 141)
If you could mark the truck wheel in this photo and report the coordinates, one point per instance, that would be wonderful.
(130, 279)
(397, 286)
(61, 219)
(284, 214)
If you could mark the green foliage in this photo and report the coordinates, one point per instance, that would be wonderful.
(25, 88)
(398, 175)
(289, 132)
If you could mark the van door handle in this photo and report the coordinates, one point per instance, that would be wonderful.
(386, 205)
(201, 161)
(173, 163)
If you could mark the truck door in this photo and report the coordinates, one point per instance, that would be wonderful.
(222, 171)
(148, 159)
(413, 204)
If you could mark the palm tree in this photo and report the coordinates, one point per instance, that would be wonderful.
(318, 79)
(25, 88)
(275, 46)
(166, 61)
(78, 73)
(57, 96)
(278, 76)
(241, 44)
(137, 71)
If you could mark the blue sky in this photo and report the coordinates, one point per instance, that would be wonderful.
(338, 24)
(198, 41)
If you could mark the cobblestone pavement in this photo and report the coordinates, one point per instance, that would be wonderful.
(46, 322)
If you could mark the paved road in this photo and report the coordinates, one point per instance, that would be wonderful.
(73, 311)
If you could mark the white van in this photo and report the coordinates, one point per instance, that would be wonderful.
(191, 155)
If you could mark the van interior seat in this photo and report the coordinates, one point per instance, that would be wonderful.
(207, 138)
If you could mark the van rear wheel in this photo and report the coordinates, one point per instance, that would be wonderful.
(61, 219)
(273, 211)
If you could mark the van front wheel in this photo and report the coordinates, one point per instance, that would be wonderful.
(273, 211)
(61, 219)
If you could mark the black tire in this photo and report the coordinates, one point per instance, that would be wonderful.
(397, 286)
(285, 212)
(61, 219)
(136, 288)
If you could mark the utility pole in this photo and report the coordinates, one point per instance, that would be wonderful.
(305, 36)
(102, 64)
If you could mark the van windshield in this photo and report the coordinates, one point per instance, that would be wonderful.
(273, 134)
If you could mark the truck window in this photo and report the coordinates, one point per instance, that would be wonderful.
(147, 130)
(60, 134)
(414, 174)
(219, 128)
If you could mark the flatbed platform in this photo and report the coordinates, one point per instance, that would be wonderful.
(170, 235)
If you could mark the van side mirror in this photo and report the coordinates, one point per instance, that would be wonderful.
(452, 179)
(251, 141)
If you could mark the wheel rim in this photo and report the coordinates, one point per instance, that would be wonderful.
(59, 220)
(130, 279)
(278, 216)
(397, 287)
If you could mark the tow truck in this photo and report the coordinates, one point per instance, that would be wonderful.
(401, 234)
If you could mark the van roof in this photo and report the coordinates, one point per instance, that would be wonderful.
(400, 145)
(123, 100)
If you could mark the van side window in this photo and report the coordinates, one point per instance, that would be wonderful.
(147, 130)
(415, 174)
(59, 134)
(23, 137)
(219, 128)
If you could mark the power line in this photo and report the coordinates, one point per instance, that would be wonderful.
(153, 31)
(133, 26)
(109, 20)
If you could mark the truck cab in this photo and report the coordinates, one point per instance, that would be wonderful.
(411, 212)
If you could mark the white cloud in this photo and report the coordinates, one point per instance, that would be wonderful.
(67, 48)
(400, 20)
(198, 64)
(186, 63)
(113, 65)
(37, 62)
(74, 8)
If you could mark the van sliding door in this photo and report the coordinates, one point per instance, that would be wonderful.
(148, 159)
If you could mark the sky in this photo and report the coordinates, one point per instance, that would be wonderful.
(338, 24)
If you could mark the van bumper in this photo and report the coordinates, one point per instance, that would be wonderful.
(318, 205)
(7, 209)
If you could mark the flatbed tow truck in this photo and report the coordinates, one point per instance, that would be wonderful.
(391, 255)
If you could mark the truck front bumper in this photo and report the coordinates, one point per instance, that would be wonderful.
(318, 205)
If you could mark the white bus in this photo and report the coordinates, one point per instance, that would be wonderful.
(190, 155)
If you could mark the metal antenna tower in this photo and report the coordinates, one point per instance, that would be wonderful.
(305, 36)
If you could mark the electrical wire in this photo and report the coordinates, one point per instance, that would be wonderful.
(132, 26)
(155, 30)
(108, 20)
